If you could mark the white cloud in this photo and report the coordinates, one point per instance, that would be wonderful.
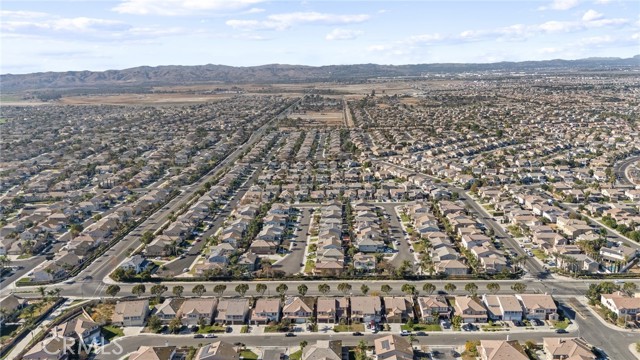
(180, 7)
(603, 2)
(255, 11)
(287, 20)
(7, 14)
(591, 15)
(343, 34)
(596, 40)
(560, 5)
(558, 26)
(550, 50)
(425, 38)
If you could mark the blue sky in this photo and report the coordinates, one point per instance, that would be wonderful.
(102, 34)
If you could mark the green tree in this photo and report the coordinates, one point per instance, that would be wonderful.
(154, 323)
(302, 289)
(324, 289)
(344, 287)
(361, 350)
(158, 290)
(364, 289)
(175, 325)
(219, 289)
(303, 344)
(629, 288)
(386, 289)
(282, 289)
(178, 290)
(519, 287)
(242, 289)
(450, 287)
(428, 288)
(147, 237)
(199, 290)
(261, 288)
(112, 290)
(408, 289)
(471, 288)
(138, 289)
(493, 287)
(42, 291)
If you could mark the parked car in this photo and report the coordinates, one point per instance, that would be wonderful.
(210, 336)
(561, 331)
(421, 333)
(357, 333)
(198, 336)
(289, 334)
(404, 333)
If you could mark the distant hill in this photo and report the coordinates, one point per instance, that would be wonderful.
(181, 75)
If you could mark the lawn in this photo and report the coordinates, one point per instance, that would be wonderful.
(248, 354)
(405, 218)
(211, 329)
(111, 332)
(296, 355)
(515, 231)
(418, 246)
(561, 324)
(347, 328)
(422, 327)
(540, 254)
(309, 266)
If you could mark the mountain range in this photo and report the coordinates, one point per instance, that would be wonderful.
(276, 73)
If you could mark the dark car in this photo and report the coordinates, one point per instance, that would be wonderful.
(289, 334)
(357, 333)
(198, 336)
(421, 333)
(561, 331)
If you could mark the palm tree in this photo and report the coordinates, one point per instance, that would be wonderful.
(449, 287)
(302, 289)
(261, 288)
(428, 288)
(426, 264)
(42, 291)
(199, 290)
(493, 288)
(266, 266)
(364, 289)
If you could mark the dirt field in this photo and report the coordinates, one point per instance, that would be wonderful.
(315, 119)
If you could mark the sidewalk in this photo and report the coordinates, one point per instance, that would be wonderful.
(583, 301)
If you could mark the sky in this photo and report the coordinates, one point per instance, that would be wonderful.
(63, 35)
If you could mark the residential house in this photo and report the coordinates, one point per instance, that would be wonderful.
(265, 311)
(51, 348)
(298, 309)
(79, 328)
(502, 307)
(154, 353)
(332, 310)
(130, 313)
(538, 306)
(136, 263)
(392, 347)
(233, 311)
(622, 305)
(169, 309)
(219, 350)
(399, 309)
(567, 348)
(195, 310)
(501, 350)
(470, 309)
(433, 307)
(365, 309)
(323, 350)
(452, 267)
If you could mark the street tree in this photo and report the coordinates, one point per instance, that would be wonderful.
(261, 288)
(344, 288)
(158, 290)
(408, 289)
(428, 288)
(386, 289)
(178, 290)
(112, 290)
(324, 289)
(282, 289)
(219, 289)
(199, 290)
(302, 289)
(242, 289)
(138, 290)
(471, 288)
(450, 287)
(493, 287)
(519, 287)
(364, 289)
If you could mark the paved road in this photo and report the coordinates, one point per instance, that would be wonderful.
(620, 169)
(176, 267)
(130, 344)
(395, 231)
(290, 264)
(95, 288)
(533, 266)
(615, 343)
(27, 264)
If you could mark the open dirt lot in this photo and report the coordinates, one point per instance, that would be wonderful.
(319, 118)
